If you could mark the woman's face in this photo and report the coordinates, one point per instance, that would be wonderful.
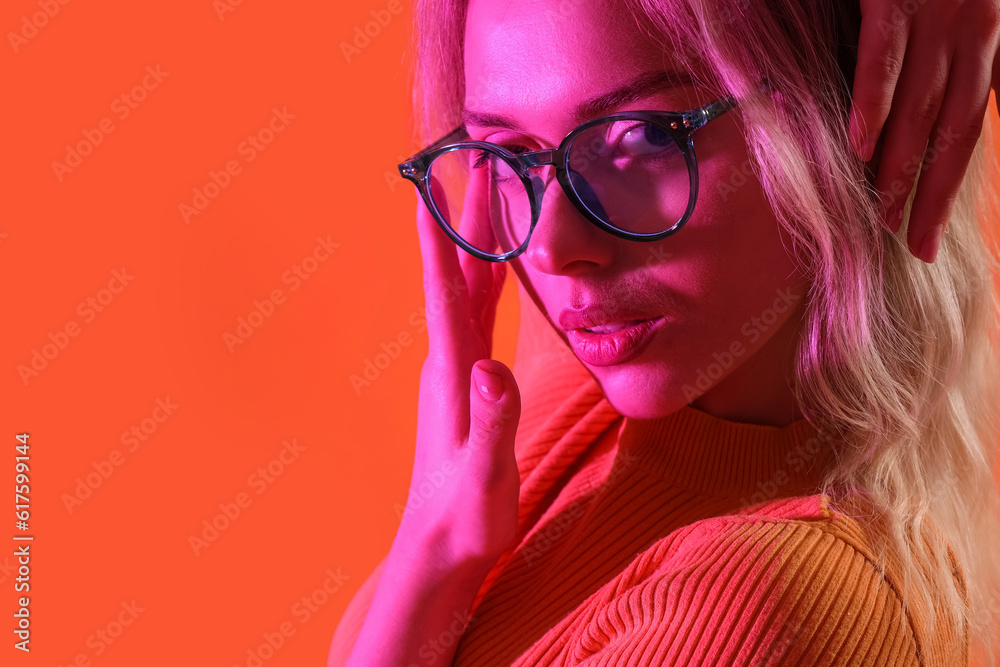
(724, 292)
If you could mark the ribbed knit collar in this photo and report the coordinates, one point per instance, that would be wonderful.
(699, 452)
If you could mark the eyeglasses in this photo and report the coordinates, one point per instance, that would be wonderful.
(633, 174)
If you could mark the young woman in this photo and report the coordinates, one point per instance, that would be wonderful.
(772, 440)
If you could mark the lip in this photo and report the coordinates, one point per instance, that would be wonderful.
(616, 347)
(598, 314)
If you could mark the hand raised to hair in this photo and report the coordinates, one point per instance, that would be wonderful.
(925, 68)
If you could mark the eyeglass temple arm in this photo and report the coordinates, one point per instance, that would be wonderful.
(711, 111)
(415, 162)
(720, 106)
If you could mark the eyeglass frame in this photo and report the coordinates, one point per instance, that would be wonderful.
(680, 124)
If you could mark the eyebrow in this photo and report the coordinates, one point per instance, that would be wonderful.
(636, 89)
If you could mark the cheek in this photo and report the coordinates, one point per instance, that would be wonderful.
(734, 239)
(740, 235)
(736, 282)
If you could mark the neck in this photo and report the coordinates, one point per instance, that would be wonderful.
(759, 391)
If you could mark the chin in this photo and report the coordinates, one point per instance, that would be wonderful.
(640, 396)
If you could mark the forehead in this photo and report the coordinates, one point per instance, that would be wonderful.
(530, 57)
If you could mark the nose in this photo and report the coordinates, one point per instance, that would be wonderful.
(563, 240)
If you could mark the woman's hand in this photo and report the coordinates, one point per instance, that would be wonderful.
(925, 68)
(464, 490)
(462, 510)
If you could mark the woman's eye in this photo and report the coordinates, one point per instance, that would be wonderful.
(486, 156)
(482, 157)
(645, 139)
(496, 169)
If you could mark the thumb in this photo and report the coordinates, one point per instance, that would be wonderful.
(494, 410)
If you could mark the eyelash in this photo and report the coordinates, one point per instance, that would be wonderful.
(483, 155)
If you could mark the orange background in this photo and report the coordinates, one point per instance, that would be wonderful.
(328, 173)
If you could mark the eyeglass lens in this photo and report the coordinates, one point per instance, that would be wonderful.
(631, 174)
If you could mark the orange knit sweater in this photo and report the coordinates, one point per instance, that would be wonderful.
(686, 540)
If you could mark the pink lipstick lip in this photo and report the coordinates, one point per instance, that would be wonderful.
(598, 314)
(616, 347)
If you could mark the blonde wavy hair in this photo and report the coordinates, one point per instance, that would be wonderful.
(897, 358)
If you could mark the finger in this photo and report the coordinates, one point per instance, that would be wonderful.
(881, 47)
(443, 418)
(475, 227)
(495, 402)
(914, 112)
(445, 289)
(950, 147)
(485, 238)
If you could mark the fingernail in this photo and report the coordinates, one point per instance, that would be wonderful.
(490, 386)
(892, 217)
(929, 246)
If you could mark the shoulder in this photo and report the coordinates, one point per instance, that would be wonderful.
(789, 527)
(790, 581)
(798, 548)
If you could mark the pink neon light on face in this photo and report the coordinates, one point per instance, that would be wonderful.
(726, 287)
